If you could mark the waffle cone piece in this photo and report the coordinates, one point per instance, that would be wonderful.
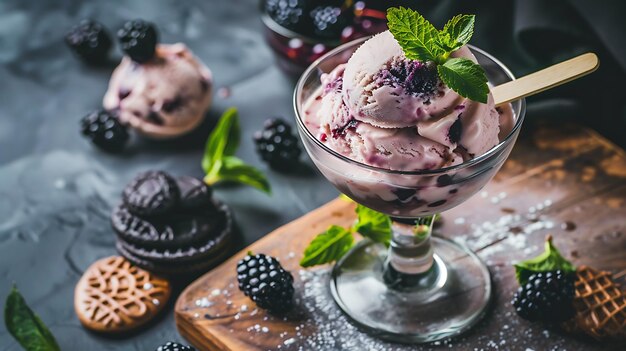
(600, 305)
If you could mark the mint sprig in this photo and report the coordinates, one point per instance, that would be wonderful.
(420, 40)
(550, 260)
(25, 326)
(373, 225)
(333, 243)
(219, 162)
(328, 246)
(467, 78)
(457, 32)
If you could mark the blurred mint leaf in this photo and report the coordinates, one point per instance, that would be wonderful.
(373, 225)
(235, 170)
(417, 37)
(219, 162)
(223, 140)
(25, 325)
(549, 260)
(465, 77)
(457, 32)
(327, 247)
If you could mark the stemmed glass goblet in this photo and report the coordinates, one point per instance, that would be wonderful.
(423, 288)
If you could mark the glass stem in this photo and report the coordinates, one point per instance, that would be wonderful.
(410, 251)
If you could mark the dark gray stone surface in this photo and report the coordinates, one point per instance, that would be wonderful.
(56, 190)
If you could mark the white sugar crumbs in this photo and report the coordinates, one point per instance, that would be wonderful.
(509, 231)
(322, 325)
(326, 328)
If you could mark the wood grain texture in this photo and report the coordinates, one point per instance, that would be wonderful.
(566, 181)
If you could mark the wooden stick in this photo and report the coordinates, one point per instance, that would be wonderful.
(546, 79)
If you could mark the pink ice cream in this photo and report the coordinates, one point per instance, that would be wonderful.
(385, 110)
(165, 97)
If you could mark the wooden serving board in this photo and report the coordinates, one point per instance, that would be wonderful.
(566, 181)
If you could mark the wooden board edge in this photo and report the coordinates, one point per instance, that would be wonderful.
(181, 317)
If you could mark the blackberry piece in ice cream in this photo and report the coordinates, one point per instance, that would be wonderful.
(417, 78)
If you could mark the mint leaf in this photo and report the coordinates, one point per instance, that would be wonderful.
(466, 78)
(420, 40)
(223, 140)
(25, 326)
(234, 134)
(235, 170)
(417, 37)
(373, 225)
(327, 247)
(549, 260)
(219, 162)
(457, 32)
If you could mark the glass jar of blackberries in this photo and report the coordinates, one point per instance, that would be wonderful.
(300, 31)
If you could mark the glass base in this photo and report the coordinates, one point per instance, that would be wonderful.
(444, 301)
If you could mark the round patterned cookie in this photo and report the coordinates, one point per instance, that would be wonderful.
(151, 193)
(172, 231)
(115, 296)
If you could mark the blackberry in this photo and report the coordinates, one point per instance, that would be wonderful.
(288, 13)
(105, 130)
(456, 130)
(89, 41)
(138, 39)
(277, 145)
(416, 77)
(174, 346)
(330, 21)
(547, 297)
(264, 280)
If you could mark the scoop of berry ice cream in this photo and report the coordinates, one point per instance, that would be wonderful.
(391, 148)
(385, 110)
(164, 97)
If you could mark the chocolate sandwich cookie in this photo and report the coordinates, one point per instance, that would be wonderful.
(194, 192)
(151, 193)
(215, 242)
(173, 267)
(170, 225)
(172, 231)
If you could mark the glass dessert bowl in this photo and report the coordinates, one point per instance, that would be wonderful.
(421, 288)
